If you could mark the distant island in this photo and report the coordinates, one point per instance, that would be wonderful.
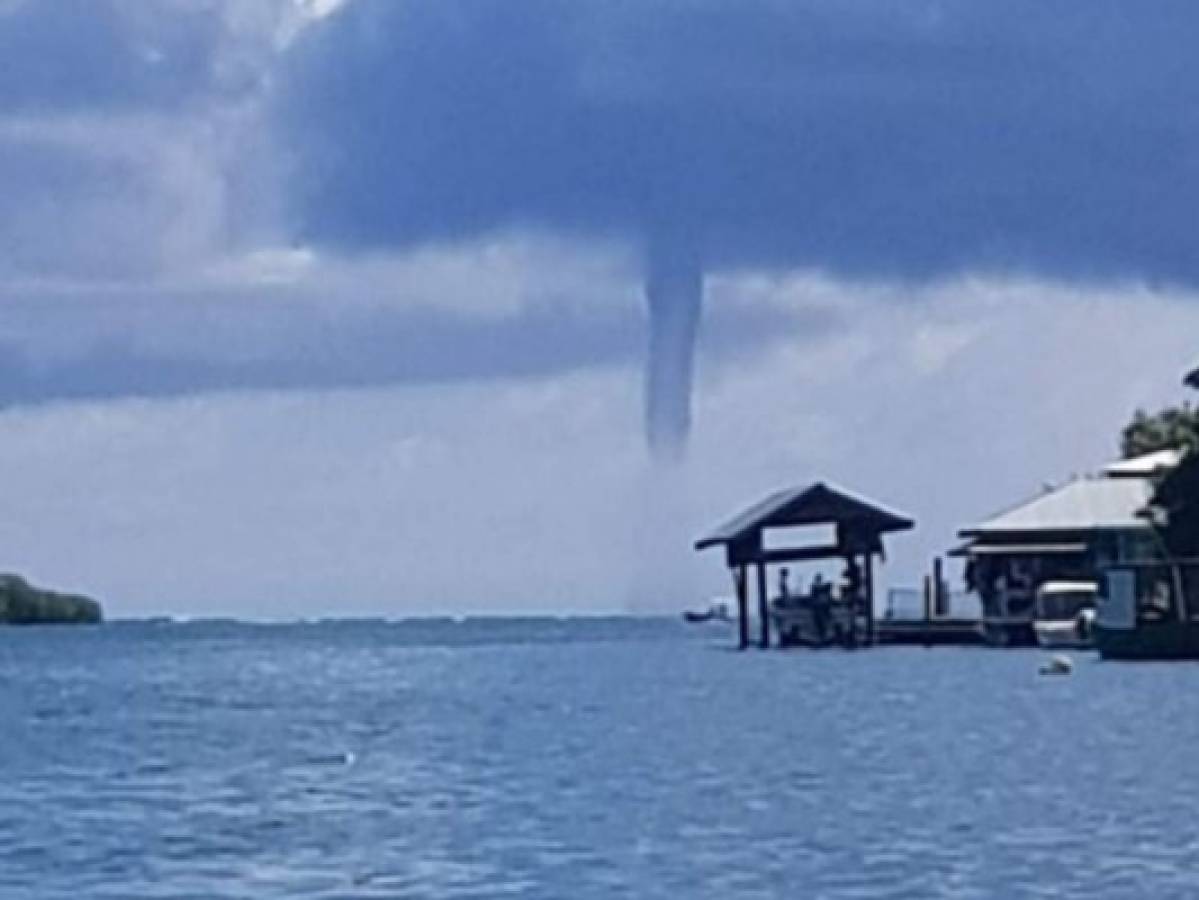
(23, 604)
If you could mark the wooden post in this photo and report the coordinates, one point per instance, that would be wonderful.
(939, 598)
(763, 607)
(929, 587)
(854, 599)
(1180, 589)
(868, 569)
(740, 576)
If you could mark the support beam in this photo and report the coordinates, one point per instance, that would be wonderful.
(929, 588)
(1184, 613)
(868, 570)
(797, 554)
(940, 607)
(856, 592)
(740, 577)
(763, 608)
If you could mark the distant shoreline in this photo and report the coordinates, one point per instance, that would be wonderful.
(431, 619)
(23, 604)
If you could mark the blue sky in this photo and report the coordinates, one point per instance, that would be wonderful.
(338, 307)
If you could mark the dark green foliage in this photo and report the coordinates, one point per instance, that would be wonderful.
(1175, 500)
(1175, 427)
(23, 604)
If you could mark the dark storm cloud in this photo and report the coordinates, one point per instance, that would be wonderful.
(359, 350)
(902, 139)
(871, 139)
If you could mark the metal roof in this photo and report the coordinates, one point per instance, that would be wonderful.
(815, 505)
(1085, 504)
(1144, 466)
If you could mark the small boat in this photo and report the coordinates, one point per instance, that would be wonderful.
(717, 612)
(1065, 614)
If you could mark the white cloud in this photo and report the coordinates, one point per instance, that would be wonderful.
(145, 197)
(275, 302)
(492, 276)
(936, 344)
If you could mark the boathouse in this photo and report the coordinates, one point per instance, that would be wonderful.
(1149, 608)
(1173, 514)
(857, 529)
(1068, 533)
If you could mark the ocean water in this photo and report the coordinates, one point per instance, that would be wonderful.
(581, 759)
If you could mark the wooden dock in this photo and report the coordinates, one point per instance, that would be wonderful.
(936, 632)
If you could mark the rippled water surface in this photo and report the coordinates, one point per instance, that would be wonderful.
(581, 760)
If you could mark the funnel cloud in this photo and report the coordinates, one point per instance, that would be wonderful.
(900, 142)
(878, 141)
(674, 288)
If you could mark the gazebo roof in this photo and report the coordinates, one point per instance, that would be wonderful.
(819, 504)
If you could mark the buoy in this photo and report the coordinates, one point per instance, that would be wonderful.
(1059, 664)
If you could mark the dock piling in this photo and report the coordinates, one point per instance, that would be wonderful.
(740, 577)
(763, 608)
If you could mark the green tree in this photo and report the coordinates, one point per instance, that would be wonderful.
(23, 604)
(1175, 428)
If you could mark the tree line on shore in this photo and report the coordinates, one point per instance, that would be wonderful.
(1174, 427)
(23, 604)
(1170, 428)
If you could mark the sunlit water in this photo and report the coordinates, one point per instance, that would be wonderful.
(581, 760)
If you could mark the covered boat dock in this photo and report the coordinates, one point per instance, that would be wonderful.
(859, 526)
